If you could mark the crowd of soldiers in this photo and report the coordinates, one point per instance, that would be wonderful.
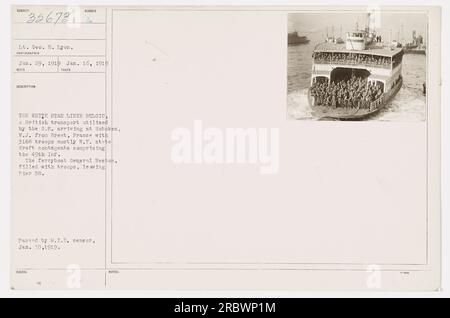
(355, 92)
(352, 58)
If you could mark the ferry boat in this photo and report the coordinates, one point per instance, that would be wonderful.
(362, 56)
(294, 38)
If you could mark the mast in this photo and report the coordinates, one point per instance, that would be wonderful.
(403, 35)
(368, 22)
(390, 38)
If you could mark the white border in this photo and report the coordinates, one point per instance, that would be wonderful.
(5, 162)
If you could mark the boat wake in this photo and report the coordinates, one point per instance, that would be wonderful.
(298, 105)
(408, 105)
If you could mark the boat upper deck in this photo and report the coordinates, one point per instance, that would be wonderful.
(374, 49)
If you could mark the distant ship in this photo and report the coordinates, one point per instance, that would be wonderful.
(362, 56)
(416, 50)
(332, 39)
(294, 38)
(410, 46)
(417, 46)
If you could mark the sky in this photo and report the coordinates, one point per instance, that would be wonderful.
(400, 25)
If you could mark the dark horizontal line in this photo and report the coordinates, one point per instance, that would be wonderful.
(265, 263)
(42, 39)
(225, 269)
(53, 24)
(61, 72)
(280, 8)
(26, 56)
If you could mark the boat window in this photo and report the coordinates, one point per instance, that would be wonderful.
(397, 59)
(320, 79)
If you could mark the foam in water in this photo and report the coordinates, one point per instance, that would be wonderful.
(298, 105)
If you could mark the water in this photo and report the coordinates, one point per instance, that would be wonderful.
(408, 105)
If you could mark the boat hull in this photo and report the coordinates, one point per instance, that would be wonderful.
(416, 51)
(297, 42)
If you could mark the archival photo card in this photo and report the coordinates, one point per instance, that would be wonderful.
(225, 148)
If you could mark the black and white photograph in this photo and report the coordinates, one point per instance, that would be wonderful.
(357, 66)
(231, 158)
